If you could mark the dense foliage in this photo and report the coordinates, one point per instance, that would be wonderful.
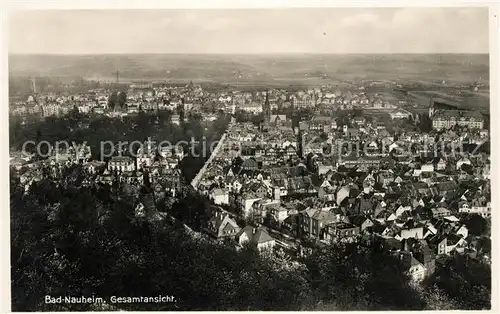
(69, 240)
(466, 281)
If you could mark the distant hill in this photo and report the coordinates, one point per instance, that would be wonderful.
(262, 68)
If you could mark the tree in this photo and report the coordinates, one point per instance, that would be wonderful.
(466, 281)
(476, 224)
(351, 276)
(437, 300)
(122, 100)
(112, 100)
(358, 112)
(425, 124)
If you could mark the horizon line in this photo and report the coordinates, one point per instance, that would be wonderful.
(244, 54)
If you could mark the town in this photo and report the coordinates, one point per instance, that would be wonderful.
(250, 157)
(290, 182)
(290, 171)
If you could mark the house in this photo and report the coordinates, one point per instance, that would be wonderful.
(363, 222)
(291, 224)
(450, 243)
(279, 213)
(277, 118)
(235, 186)
(313, 221)
(341, 232)
(411, 232)
(258, 237)
(363, 206)
(440, 212)
(415, 269)
(461, 231)
(245, 202)
(463, 161)
(400, 114)
(94, 166)
(402, 209)
(326, 193)
(441, 165)
(222, 226)
(385, 178)
(259, 189)
(422, 253)
(220, 196)
(428, 167)
(343, 193)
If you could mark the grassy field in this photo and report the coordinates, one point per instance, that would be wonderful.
(469, 100)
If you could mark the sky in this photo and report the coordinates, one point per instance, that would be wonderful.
(251, 31)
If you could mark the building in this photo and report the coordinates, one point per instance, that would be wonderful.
(341, 232)
(482, 210)
(54, 110)
(362, 162)
(220, 196)
(446, 119)
(277, 119)
(222, 226)
(258, 237)
(415, 269)
(176, 119)
(400, 114)
(145, 155)
(440, 212)
(450, 243)
(121, 164)
(313, 222)
(252, 107)
(304, 102)
(266, 108)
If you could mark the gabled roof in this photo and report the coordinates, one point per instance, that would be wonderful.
(408, 260)
(256, 235)
(222, 222)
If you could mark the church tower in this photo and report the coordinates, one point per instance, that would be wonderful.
(431, 107)
(33, 84)
(266, 108)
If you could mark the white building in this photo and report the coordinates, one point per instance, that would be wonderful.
(121, 164)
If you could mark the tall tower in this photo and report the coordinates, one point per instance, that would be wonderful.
(117, 77)
(266, 108)
(33, 84)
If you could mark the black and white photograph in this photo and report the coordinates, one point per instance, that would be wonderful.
(273, 158)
